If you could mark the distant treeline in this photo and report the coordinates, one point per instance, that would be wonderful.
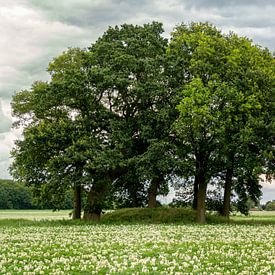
(18, 196)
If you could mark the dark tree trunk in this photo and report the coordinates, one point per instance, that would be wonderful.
(195, 193)
(153, 192)
(134, 201)
(201, 203)
(77, 202)
(93, 208)
(227, 192)
(201, 168)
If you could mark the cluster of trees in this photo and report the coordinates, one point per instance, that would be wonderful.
(14, 196)
(122, 120)
(18, 196)
(269, 206)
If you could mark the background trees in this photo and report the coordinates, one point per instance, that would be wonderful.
(270, 206)
(17, 196)
(119, 120)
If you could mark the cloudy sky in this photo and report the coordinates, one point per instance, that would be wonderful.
(35, 31)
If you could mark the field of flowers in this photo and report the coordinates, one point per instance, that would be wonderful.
(137, 249)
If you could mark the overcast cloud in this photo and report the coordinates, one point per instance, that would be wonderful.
(35, 31)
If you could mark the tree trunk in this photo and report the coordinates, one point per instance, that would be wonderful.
(201, 202)
(153, 192)
(201, 169)
(134, 202)
(93, 208)
(195, 193)
(227, 192)
(77, 202)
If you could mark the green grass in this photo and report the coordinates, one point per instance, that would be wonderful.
(181, 216)
(146, 215)
(35, 214)
(255, 218)
(156, 216)
(262, 213)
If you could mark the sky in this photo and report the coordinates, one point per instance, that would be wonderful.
(33, 32)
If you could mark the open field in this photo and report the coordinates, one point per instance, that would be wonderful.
(42, 247)
(256, 217)
(262, 213)
(135, 249)
(35, 214)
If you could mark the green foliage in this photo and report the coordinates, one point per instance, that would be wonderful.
(14, 196)
(270, 206)
(99, 114)
(224, 123)
(18, 196)
(130, 61)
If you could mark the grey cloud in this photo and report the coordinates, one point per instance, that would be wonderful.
(91, 13)
(98, 15)
(22, 79)
(268, 194)
(251, 16)
(268, 191)
(5, 123)
(6, 140)
(28, 42)
(225, 4)
(4, 154)
(4, 168)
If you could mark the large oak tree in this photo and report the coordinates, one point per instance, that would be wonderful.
(225, 120)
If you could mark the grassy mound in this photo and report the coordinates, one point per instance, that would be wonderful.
(161, 215)
(155, 215)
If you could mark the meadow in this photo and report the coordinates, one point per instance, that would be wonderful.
(38, 245)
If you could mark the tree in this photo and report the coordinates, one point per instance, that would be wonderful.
(198, 125)
(18, 196)
(39, 156)
(65, 125)
(197, 52)
(224, 121)
(248, 126)
(131, 60)
(102, 125)
(14, 196)
(85, 127)
(270, 206)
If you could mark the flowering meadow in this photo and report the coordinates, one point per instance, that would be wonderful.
(137, 249)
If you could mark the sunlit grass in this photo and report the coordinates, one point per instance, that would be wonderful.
(262, 213)
(35, 214)
(256, 217)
